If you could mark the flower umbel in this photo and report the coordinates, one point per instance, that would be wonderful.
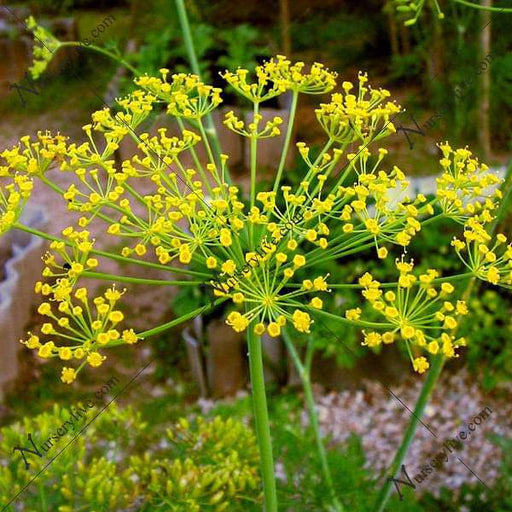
(417, 311)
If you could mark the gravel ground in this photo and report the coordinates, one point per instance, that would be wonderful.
(380, 420)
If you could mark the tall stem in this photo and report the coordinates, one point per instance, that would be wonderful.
(289, 131)
(304, 372)
(259, 400)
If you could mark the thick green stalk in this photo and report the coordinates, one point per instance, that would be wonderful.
(304, 372)
(259, 400)
(289, 131)
(194, 64)
(419, 408)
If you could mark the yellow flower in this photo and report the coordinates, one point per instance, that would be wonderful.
(274, 329)
(316, 303)
(116, 317)
(237, 321)
(447, 288)
(382, 253)
(33, 342)
(95, 359)
(299, 260)
(211, 262)
(44, 309)
(301, 321)
(320, 284)
(259, 328)
(68, 375)
(388, 337)
(65, 353)
(372, 339)
(420, 364)
(353, 314)
(46, 350)
(129, 336)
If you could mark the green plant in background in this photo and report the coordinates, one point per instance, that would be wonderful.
(196, 465)
(322, 33)
(65, 483)
(242, 48)
(217, 468)
(491, 331)
(238, 46)
(301, 484)
(501, 94)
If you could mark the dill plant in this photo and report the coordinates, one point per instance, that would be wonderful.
(196, 223)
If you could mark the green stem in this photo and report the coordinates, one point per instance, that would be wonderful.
(194, 64)
(173, 323)
(261, 420)
(289, 131)
(98, 49)
(138, 280)
(304, 371)
(116, 257)
(343, 320)
(42, 495)
(419, 408)
(483, 8)
(506, 191)
(254, 155)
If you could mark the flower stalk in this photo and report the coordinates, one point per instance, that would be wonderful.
(261, 421)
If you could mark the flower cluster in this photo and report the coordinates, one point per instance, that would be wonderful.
(13, 198)
(488, 258)
(376, 204)
(79, 326)
(413, 9)
(463, 187)
(365, 116)
(278, 76)
(45, 45)
(33, 157)
(418, 311)
(291, 76)
(271, 128)
(81, 329)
